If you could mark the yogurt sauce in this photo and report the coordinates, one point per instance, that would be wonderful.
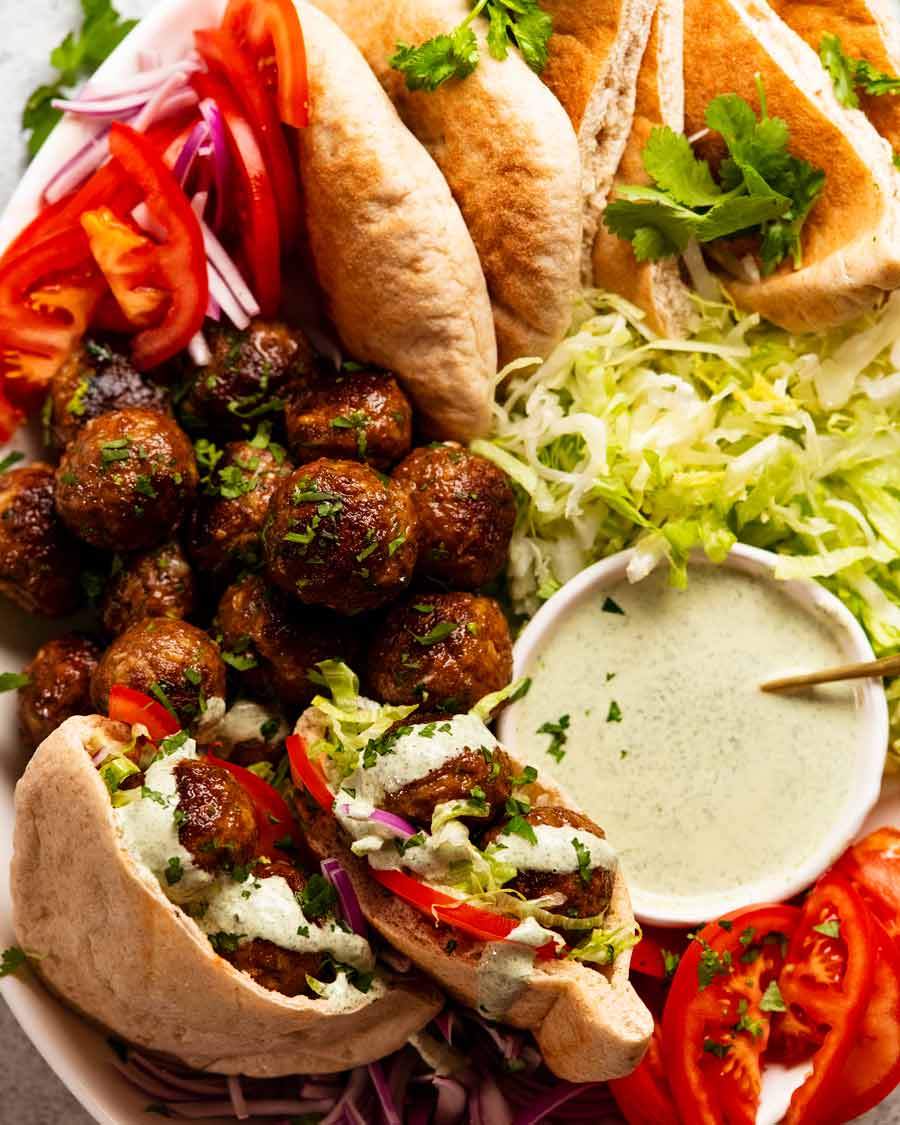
(703, 783)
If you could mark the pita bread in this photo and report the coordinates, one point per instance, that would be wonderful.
(595, 53)
(116, 949)
(655, 287)
(511, 159)
(589, 1023)
(398, 269)
(851, 240)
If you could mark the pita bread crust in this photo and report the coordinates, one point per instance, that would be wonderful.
(655, 287)
(509, 155)
(589, 1023)
(851, 241)
(397, 266)
(118, 951)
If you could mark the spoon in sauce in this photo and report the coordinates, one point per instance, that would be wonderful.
(886, 666)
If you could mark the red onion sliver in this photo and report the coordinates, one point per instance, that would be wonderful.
(161, 95)
(228, 271)
(451, 1101)
(389, 820)
(388, 1109)
(556, 1096)
(212, 116)
(198, 136)
(198, 349)
(223, 295)
(110, 108)
(354, 1088)
(262, 1108)
(333, 870)
(237, 1097)
(77, 169)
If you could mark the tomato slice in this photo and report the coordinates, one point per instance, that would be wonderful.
(273, 815)
(257, 226)
(222, 54)
(308, 774)
(179, 263)
(269, 32)
(10, 418)
(127, 705)
(644, 1096)
(656, 947)
(126, 260)
(714, 1026)
(873, 867)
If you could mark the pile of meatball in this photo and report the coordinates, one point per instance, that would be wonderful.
(233, 525)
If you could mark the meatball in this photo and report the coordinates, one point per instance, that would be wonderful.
(281, 970)
(154, 583)
(446, 649)
(95, 380)
(276, 644)
(225, 527)
(59, 685)
(219, 820)
(584, 898)
(246, 379)
(339, 535)
(349, 415)
(126, 480)
(466, 512)
(39, 560)
(251, 733)
(162, 656)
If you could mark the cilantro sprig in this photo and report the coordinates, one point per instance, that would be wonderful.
(761, 188)
(851, 76)
(521, 23)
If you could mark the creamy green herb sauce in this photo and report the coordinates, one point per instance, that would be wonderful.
(702, 782)
(505, 967)
(554, 851)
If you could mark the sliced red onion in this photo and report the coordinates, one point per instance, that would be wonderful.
(197, 137)
(237, 1097)
(198, 350)
(269, 1107)
(354, 1088)
(174, 85)
(489, 1106)
(228, 271)
(333, 870)
(354, 1115)
(396, 823)
(100, 757)
(544, 1105)
(195, 1084)
(388, 1108)
(144, 82)
(452, 1098)
(109, 108)
(77, 169)
(444, 1021)
(221, 160)
(147, 222)
(223, 295)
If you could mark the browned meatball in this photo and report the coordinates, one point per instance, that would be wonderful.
(281, 970)
(39, 560)
(584, 899)
(59, 685)
(159, 656)
(446, 649)
(219, 826)
(246, 379)
(276, 644)
(251, 733)
(154, 583)
(349, 415)
(95, 380)
(224, 533)
(338, 535)
(466, 511)
(126, 480)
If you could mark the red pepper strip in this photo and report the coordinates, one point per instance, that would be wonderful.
(270, 31)
(273, 815)
(127, 705)
(308, 774)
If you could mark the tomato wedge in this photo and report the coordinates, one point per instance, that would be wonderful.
(307, 773)
(179, 263)
(644, 1096)
(715, 1026)
(273, 815)
(269, 33)
(873, 867)
(127, 705)
(126, 259)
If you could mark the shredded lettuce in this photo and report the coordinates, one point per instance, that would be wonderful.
(741, 433)
(604, 946)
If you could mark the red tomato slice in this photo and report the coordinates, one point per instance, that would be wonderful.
(644, 1096)
(649, 955)
(308, 774)
(179, 263)
(873, 867)
(257, 225)
(126, 260)
(269, 32)
(10, 418)
(127, 705)
(273, 815)
(222, 54)
(714, 1027)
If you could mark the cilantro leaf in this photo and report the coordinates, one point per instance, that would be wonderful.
(531, 29)
(850, 75)
(437, 60)
(558, 732)
(11, 681)
(875, 82)
(318, 897)
(670, 160)
(583, 855)
(831, 928)
(772, 1000)
(12, 960)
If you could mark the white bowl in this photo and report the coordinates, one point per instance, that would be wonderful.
(871, 749)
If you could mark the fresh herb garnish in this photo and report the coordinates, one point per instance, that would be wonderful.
(11, 681)
(831, 928)
(711, 964)
(241, 662)
(583, 854)
(11, 459)
(517, 825)
(223, 942)
(156, 690)
(318, 897)
(671, 961)
(357, 421)
(439, 633)
(614, 714)
(558, 736)
(269, 728)
(12, 960)
(610, 606)
(772, 1000)
(526, 777)
(144, 486)
(416, 841)
(174, 871)
(720, 1050)
(850, 76)
(119, 449)
(154, 795)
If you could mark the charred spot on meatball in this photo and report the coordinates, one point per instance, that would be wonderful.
(339, 535)
(466, 511)
(39, 559)
(218, 821)
(96, 380)
(154, 583)
(447, 650)
(587, 891)
(273, 644)
(127, 480)
(176, 663)
(247, 378)
(59, 685)
(225, 526)
(359, 415)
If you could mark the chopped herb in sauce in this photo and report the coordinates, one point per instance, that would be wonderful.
(11, 459)
(12, 960)
(318, 897)
(614, 714)
(610, 606)
(174, 871)
(772, 1000)
(584, 860)
(223, 942)
(831, 928)
(439, 633)
(558, 736)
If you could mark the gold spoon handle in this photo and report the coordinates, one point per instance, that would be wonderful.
(886, 666)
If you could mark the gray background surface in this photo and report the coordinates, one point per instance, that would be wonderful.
(30, 1094)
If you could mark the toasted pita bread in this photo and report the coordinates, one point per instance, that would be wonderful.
(589, 1023)
(595, 54)
(868, 29)
(511, 159)
(655, 287)
(851, 240)
(112, 945)
(398, 268)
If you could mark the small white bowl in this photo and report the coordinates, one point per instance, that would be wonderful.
(872, 744)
